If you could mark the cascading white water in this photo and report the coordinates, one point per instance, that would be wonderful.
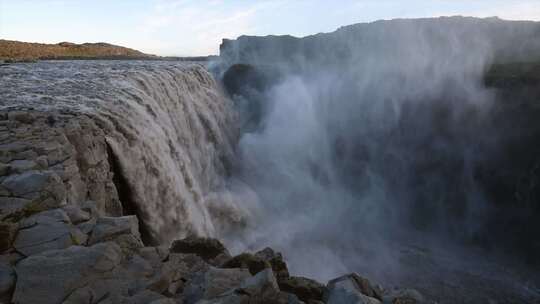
(168, 125)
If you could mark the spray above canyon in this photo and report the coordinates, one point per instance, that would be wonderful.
(382, 134)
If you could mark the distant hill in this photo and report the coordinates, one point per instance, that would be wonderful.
(23, 51)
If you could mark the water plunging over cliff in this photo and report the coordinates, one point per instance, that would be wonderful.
(167, 128)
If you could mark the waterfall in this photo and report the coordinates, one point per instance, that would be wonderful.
(168, 127)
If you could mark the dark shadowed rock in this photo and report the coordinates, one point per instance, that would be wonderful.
(366, 287)
(174, 270)
(248, 261)
(276, 261)
(212, 283)
(51, 276)
(208, 249)
(402, 296)
(306, 289)
(346, 290)
(7, 234)
(7, 282)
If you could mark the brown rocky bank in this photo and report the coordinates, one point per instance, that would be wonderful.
(25, 51)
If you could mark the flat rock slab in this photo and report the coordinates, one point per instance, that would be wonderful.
(214, 282)
(47, 230)
(108, 228)
(51, 276)
(31, 183)
(345, 290)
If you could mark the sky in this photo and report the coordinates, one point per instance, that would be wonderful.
(196, 27)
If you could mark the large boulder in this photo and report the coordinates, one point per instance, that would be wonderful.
(346, 290)
(276, 261)
(50, 277)
(175, 269)
(213, 282)
(44, 189)
(248, 261)
(306, 289)
(47, 230)
(261, 288)
(209, 249)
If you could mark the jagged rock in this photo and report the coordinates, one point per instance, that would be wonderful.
(129, 243)
(109, 228)
(76, 214)
(213, 282)
(262, 288)
(13, 208)
(209, 249)
(90, 207)
(176, 271)
(40, 185)
(7, 282)
(138, 266)
(249, 261)
(46, 231)
(7, 234)
(402, 296)
(45, 217)
(306, 289)
(346, 290)
(50, 277)
(262, 282)
(155, 255)
(87, 226)
(276, 261)
(366, 287)
(22, 165)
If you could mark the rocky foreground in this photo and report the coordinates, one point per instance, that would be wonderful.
(57, 249)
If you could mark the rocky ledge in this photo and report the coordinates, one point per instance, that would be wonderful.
(73, 255)
(65, 236)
